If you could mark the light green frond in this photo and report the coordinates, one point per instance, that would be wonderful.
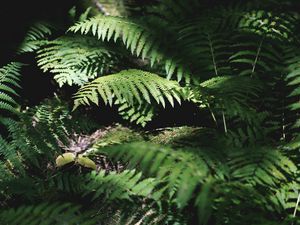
(74, 60)
(135, 86)
(271, 24)
(288, 197)
(36, 36)
(9, 82)
(139, 114)
(137, 38)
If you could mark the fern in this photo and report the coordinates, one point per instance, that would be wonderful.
(140, 114)
(46, 213)
(123, 186)
(266, 167)
(271, 24)
(181, 171)
(291, 75)
(131, 85)
(207, 48)
(127, 188)
(288, 198)
(35, 37)
(230, 103)
(237, 166)
(256, 54)
(74, 60)
(9, 164)
(136, 37)
(9, 81)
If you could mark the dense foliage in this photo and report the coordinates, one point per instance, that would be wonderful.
(236, 62)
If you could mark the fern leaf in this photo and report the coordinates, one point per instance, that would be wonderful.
(271, 24)
(136, 37)
(35, 37)
(46, 213)
(264, 167)
(9, 81)
(141, 114)
(74, 60)
(181, 171)
(131, 85)
(122, 186)
(288, 197)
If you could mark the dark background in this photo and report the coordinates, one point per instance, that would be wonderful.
(16, 16)
(15, 19)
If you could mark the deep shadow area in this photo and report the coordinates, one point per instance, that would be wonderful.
(17, 16)
(15, 19)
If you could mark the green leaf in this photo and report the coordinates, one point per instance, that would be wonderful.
(86, 162)
(64, 159)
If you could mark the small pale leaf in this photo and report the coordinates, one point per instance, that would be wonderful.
(86, 162)
(64, 159)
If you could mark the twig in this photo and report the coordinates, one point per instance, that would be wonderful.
(257, 56)
(224, 122)
(100, 7)
(296, 207)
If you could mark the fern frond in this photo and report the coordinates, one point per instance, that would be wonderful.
(9, 81)
(181, 171)
(140, 114)
(66, 182)
(274, 25)
(141, 41)
(50, 116)
(229, 98)
(35, 37)
(135, 86)
(238, 195)
(120, 186)
(292, 71)
(254, 55)
(9, 164)
(289, 198)
(74, 60)
(40, 134)
(267, 167)
(46, 213)
(207, 50)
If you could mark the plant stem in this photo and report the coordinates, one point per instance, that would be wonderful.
(212, 55)
(297, 204)
(257, 56)
(100, 7)
(224, 122)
